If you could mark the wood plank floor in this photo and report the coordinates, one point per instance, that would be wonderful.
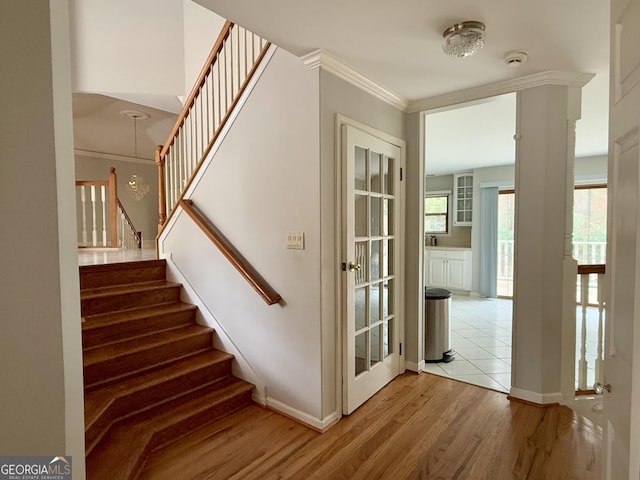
(418, 427)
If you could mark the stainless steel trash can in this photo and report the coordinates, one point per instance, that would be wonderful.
(436, 325)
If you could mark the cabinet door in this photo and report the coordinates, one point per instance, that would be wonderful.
(463, 201)
(455, 273)
(437, 272)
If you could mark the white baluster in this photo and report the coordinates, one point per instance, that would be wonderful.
(94, 231)
(599, 353)
(103, 195)
(582, 364)
(83, 202)
(201, 110)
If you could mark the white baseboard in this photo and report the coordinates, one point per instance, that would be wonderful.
(413, 366)
(535, 397)
(301, 416)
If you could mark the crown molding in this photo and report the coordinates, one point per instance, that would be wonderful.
(320, 58)
(113, 156)
(567, 79)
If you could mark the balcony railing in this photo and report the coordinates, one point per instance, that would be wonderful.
(590, 319)
(586, 253)
(590, 300)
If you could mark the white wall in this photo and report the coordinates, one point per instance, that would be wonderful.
(414, 244)
(201, 29)
(143, 213)
(150, 56)
(40, 345)
(141, 51)
(339, 97)
(262, 183)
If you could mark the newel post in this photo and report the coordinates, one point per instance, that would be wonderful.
(113, 207)
(162, 203)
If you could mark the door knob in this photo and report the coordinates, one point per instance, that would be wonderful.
(600, 388)
(354, 267)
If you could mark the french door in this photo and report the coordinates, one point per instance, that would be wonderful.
(371, 256)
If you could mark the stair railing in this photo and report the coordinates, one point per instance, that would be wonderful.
(250, 274)
(104, 222)
(99, 197)
(591, 301)
(128, 235)
(230, 66)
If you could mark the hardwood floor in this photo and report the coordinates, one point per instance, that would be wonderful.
(418, 427)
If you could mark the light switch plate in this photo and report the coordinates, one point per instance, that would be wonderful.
(295, 241)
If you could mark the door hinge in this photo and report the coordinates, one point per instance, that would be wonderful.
(400, 348)
(400, 173)
(344, 267)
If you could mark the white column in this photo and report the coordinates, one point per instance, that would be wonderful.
(545, 273)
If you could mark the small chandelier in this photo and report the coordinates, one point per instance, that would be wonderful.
(463, 39)
(138, 187)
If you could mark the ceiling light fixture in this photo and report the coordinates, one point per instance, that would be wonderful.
(463, 39)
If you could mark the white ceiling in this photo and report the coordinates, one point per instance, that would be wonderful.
(398, 45)
(99, 127)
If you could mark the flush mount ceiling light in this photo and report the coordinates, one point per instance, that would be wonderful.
(463, 39)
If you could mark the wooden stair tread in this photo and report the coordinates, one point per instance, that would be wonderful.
(133, 264)
(92, 276)
(151, 372)
(125, 288)
(96, 400)
(111, 327)
(106, 352)
(129, 441)
(104, 319)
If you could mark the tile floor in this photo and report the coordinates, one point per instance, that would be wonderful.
(481, 338)
(101, 256)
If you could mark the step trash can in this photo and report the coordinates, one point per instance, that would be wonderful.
(436, 325)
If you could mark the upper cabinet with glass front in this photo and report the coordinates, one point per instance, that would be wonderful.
(463, 199)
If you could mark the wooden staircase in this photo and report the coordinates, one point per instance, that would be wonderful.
(151, 373)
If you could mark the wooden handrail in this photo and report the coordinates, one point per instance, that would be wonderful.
(268, 294)
(215, 136)
(182, 176)
(587, 269)
(115, 207)
(217, 47)
(132, 227)
(89, 183)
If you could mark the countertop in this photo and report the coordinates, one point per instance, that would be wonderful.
(428, 247)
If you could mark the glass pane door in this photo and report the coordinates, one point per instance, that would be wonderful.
(372, 213)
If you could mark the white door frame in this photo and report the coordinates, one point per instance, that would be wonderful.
(341, 336)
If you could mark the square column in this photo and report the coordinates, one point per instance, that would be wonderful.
(545, 272)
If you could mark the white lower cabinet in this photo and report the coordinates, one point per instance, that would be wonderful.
(448, 269)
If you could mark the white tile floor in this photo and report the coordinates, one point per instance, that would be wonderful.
(101, 256)
(481, 338)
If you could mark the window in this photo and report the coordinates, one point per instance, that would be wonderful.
(590, 224)
(436, 213)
